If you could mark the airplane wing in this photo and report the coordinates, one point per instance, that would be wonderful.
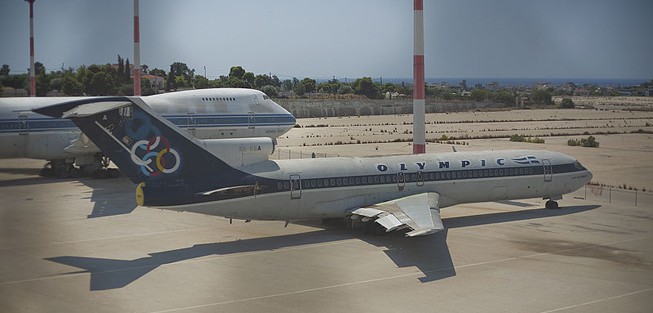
(419, 212)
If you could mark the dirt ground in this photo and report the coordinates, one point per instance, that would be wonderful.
(624, 157)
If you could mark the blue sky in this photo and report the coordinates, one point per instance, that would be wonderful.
(345, 38)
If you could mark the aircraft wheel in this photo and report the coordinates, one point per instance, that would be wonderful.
(375, 229)
(100, 174)
(113, 172)
(551, 205)
(47, 170)
(63, 170)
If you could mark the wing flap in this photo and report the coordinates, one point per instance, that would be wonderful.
(418, 212)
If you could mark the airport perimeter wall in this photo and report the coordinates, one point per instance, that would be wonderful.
(308, 108)
(614, 195)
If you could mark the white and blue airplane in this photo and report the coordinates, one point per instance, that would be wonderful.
(176, 171)
(205, 114)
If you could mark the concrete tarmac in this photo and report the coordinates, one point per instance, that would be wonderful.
(82, 245)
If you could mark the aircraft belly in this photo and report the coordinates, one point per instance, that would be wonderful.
(13, 146)
(49, 146)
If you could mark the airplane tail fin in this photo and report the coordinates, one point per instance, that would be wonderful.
(170, 166)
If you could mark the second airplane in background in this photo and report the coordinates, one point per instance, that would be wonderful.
(215, 114)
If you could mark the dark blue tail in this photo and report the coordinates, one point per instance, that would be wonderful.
(170, 165)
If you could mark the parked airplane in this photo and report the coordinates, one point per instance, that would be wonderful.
(178, 172)
(205, 114)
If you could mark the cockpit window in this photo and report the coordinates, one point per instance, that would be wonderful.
(265, 97)
(579, 166)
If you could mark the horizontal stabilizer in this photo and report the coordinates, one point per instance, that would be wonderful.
(93, 108)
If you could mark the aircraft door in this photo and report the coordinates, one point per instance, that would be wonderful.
(420, 179)
(548, 170)
(401, 181)
(256, 99)
(191, 123)
(295, 187)
(251, 120)
(23, 125)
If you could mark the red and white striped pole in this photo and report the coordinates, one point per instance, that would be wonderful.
(419, 111)
(137, 53)
(32, 74)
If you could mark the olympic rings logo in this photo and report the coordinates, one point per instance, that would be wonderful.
(165, 161)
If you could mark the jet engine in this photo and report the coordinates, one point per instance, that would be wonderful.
(241, 151)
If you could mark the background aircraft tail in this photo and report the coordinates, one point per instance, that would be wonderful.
(170, 165)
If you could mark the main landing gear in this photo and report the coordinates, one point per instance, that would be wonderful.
(96, 166)
(551, 205)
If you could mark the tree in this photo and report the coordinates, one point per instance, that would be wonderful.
(127, 71)
(100, 84)
(248, 78)
(4, 71)
(15, 81)
(262, 80)
(270, 90)
(70, 86)
(201, 82)
(567, 103)
(42, 82)
(287, 85)
(237, 72)
(158, 72)
(179, 69)
(541, 96)
(365, 86)
(121, 69)
(38, 68)
(309, 84)
(345, 89)
(299, 89)
(479, 94)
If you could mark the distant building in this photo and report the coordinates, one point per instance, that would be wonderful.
(156, 82)
(581, 92)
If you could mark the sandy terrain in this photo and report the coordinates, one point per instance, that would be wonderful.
(611, 102)
(624, 158)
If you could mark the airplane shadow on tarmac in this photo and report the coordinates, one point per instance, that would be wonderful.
(110, 196)
(430, 254)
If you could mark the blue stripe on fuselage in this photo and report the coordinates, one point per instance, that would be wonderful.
(42, 124)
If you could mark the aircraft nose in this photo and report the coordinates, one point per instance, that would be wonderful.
(589, 176)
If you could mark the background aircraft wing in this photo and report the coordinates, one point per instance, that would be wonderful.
(419, 212)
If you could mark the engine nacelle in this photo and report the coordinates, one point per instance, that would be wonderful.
(241, 151)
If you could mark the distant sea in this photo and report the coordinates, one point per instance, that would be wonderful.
(517, 82)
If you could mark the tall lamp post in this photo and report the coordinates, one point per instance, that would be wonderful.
(419, 111)
(32, 74)
(137, 53)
